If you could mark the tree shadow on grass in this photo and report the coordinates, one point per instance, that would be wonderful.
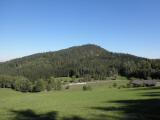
(31, 115)
(136, 109)
(73, 118)
(139, 109)
(145, 88)
(152, 94)
(104, 117)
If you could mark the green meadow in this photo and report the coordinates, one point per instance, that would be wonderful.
(103, 102)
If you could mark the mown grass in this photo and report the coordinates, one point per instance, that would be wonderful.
(101, 103)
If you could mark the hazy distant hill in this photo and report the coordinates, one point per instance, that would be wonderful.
(87, 60)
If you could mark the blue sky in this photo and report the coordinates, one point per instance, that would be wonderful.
(32, 26)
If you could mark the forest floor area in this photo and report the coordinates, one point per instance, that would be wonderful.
(102, 102)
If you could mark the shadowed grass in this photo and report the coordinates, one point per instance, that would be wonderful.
(102, 103)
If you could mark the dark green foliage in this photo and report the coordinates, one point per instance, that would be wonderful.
(6, 81)
(82, 61)
(67, 87)
(88, 62)
(18, 83)
(114, 84)
(87, 87)
(49, 87)
(23, 84)
(86, 78)
(122, 86)
(40, 85)
(57, 85)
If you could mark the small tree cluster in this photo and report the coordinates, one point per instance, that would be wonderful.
(23, 84)
(18, 83)
(87, 87)
(40, 85)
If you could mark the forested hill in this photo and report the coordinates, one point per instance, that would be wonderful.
(80, 61)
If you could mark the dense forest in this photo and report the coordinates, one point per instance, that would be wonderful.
(87, 61)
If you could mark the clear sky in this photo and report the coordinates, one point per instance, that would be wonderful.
(32, 26)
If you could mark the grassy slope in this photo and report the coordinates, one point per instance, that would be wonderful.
(102, 103)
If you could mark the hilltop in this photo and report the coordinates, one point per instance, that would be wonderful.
(79, 61)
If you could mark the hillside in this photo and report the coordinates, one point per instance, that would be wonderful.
(80, 61)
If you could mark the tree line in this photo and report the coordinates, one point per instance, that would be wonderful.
(23, 84)
(88, 61)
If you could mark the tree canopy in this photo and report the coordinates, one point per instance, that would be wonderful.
(87, 61)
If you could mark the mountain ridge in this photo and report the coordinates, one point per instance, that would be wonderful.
(91, 45)
(79, 61)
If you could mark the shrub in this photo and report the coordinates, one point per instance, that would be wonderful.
(49, 87)
(23, 84)
(57, 85)
(87, 87)
(40, 86)
(114, 84)
(54, 83)
(124, 86)
(121, 86)
(67, 87)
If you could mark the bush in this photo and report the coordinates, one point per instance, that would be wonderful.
(23, 84)
(40, 86)
(6, 81)
(121, 86)
(67, 87)
(54, 83)
(57, 85)
(49, 87)
(87, 87)
(114, 84)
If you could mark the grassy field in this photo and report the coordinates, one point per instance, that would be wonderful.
(103, 102)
